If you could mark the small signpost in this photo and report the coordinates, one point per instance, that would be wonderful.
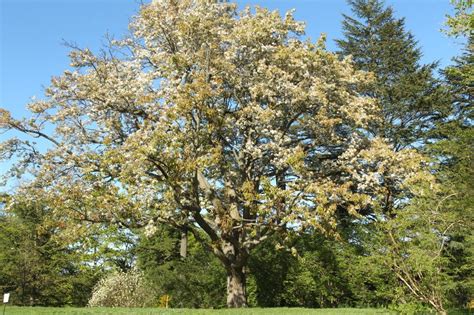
(165, 300)
(6, 297)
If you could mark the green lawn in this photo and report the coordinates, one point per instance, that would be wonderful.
(157, 311)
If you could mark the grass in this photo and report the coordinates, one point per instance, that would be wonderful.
(157, 311)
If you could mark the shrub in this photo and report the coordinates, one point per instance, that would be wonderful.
(123, 289)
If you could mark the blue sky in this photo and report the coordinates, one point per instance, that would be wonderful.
(31, 33)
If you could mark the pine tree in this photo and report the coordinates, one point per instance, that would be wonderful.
(454, 151)
(412, 102)
(410, 97)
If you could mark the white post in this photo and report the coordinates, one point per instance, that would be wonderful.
(6, 297)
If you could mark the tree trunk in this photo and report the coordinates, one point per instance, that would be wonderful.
(183, 250)
(236, 296)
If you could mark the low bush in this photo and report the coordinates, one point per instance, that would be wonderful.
(123, 289)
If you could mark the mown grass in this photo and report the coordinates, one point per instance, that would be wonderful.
(157, 311)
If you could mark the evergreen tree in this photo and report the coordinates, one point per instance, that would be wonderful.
(410, 97)
(454, 152)
(35, 267)
(313, 273)
(194, 281)
(413, 102)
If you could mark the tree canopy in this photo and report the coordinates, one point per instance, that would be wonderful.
(211, 119)
(213, 142)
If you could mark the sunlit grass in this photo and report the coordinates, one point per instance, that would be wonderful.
(158, 311)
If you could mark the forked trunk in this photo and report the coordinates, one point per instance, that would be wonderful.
(236, 296)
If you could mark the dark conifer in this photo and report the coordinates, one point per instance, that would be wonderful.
(411, 98)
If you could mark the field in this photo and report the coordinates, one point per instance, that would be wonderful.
(157, 311)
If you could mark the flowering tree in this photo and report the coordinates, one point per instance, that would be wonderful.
(462, 22)
(209, 119)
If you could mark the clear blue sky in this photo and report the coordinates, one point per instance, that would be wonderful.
(31, 33)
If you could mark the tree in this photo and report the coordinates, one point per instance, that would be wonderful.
(35, 266)
(222, 121)
(194, 281)
(269, 267)
(455, 154)
(413, 104)
(312, 273)
(453, 151)
(462, 23)
(410, 97)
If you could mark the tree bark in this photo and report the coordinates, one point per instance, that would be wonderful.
(183, 249)
(236, 281)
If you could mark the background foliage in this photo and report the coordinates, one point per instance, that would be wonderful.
(410, 253)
